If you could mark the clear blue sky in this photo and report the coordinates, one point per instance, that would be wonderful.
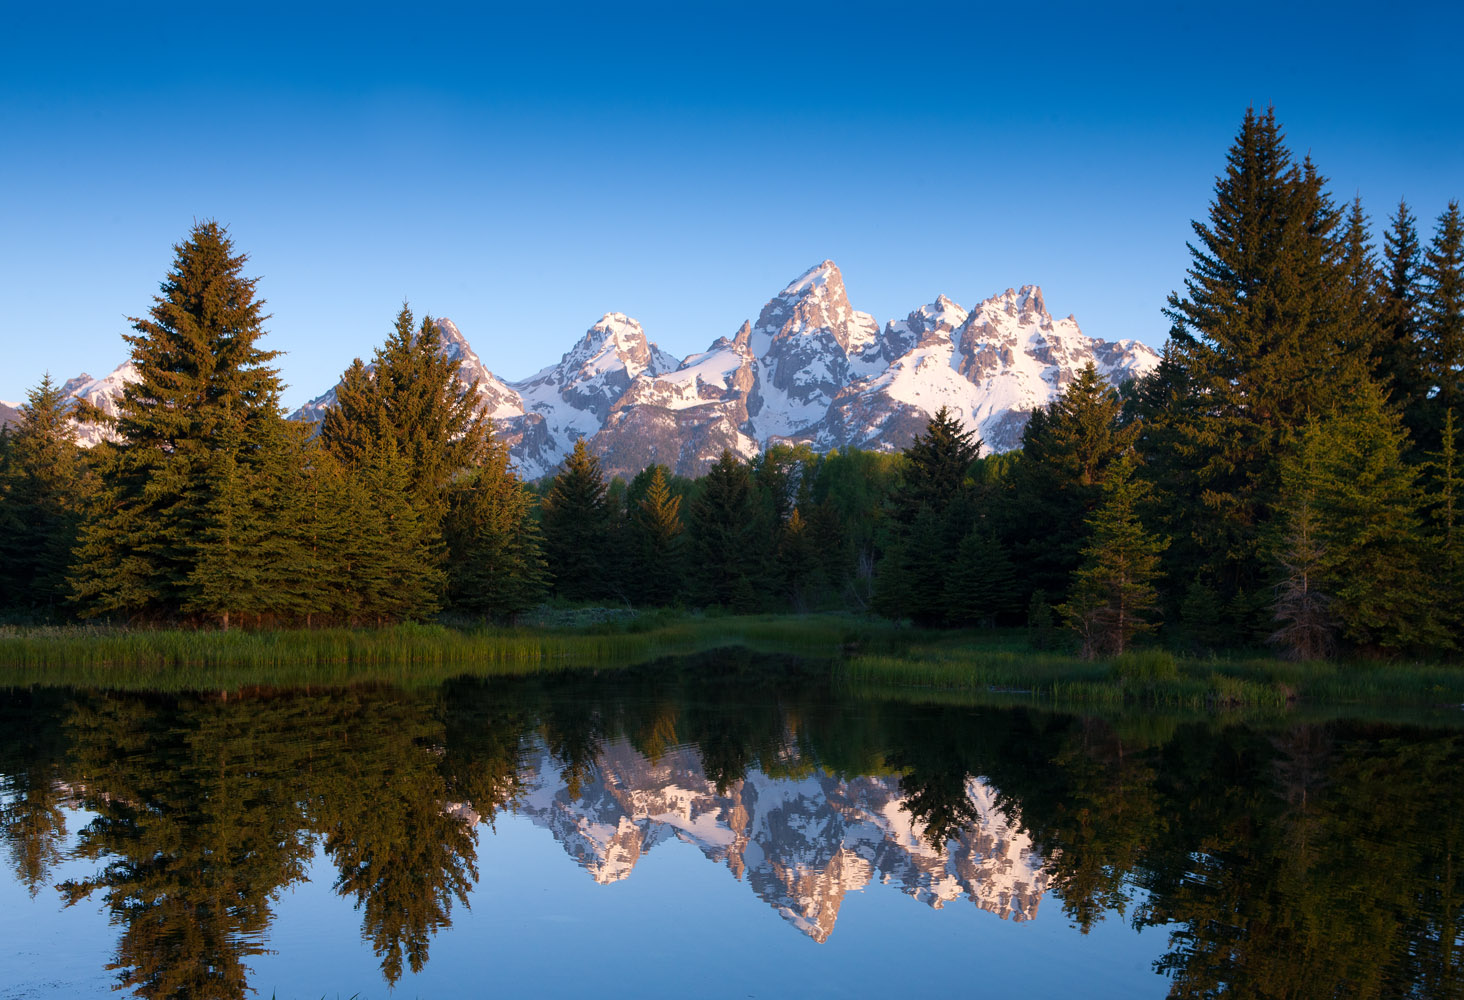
(524, 173)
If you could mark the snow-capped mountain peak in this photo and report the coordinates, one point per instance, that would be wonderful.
(811, 368)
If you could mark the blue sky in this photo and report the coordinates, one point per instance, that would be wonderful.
(525, 172)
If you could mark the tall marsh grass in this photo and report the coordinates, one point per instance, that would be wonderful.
(403, 654)
(996, 670)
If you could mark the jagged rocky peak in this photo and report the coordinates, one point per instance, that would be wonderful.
(615, 341)
(813, 303)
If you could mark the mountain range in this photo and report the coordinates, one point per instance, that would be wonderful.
(811, 369)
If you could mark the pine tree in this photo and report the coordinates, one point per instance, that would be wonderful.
(1444, 534)
(1397, 359)
(983, 584)
(576, 523)
(1368, 527)
(656, 534)
(931, 509)
(43, 485)
(411, 394)
(1113, 594)
(204, 387)
(1067, 448)
(721, 535)
(397, 571)
(937, 464)
(495, 564)
(1306, 628)
(1441, 325)
(1266, 334)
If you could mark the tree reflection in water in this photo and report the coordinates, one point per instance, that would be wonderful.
(1292, 861)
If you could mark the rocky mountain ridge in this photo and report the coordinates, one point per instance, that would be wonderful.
(810, 369)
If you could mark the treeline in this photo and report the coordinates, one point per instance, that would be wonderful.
(1289, 473)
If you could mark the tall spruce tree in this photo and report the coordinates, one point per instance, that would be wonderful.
(1266, 333)
(1398, 361)
(1441, 325)
(495, 563)
(204, 387)
(576, 522)
(43, 486)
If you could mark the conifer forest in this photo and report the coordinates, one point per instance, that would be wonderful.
(1288, 477)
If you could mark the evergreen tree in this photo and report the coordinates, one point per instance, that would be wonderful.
(1067, 448)
(656, 533)
(1368, 527)
(937, 464)
(43, 485)
(411, 394)
(1306, 628)
(1397, 359)
(721, 533)
(1444, 534)
(983, 584)
(495, 560)
(931, 509)
(397, 570)
(204, 387)
(1266, 334)
(1441, 325)
(576, 522)
(1113, 595)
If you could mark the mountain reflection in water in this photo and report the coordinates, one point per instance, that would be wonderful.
(1297, 860)
(800, 844)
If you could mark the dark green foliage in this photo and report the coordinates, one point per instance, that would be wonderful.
(983, 583)
(1113, 598)
(1353, 526)
(409, 395)
(1201, 618)
(206, 398)
(1441, 325)
(1398, 360)
(1266, 333)
(656, 535)
(1443, 532)
(1050, 493)
(495, 563)
(1306, 626)
(936, 468)
(1040, 621)
(43, 491)
(931, 510)
(576, 523)
(723, 536)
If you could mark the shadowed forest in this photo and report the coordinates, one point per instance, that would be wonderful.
(1288, 475)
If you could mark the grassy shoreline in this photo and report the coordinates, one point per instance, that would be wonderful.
(869, 655)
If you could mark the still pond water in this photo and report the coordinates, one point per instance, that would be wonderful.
(727, 826)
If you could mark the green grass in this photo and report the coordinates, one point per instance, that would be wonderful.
(872, 656)
(998, 667)
(167, 660)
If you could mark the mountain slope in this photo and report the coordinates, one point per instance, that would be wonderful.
(810, 369)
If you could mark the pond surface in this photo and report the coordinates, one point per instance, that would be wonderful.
(727, 826)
